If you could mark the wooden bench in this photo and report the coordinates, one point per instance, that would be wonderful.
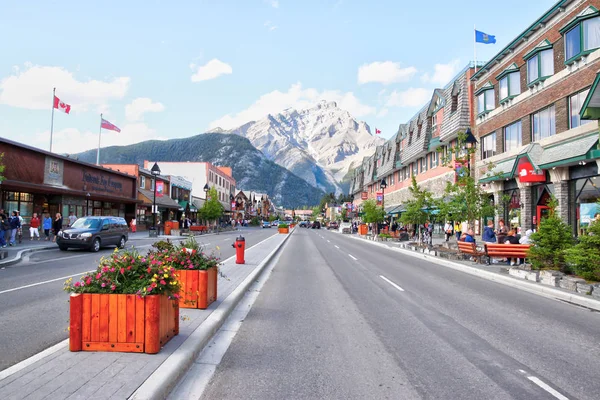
(496, 250)
(198, 228)
(470, 249)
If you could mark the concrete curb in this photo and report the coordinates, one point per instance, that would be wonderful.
(21, 253)
(167, 375)
(531, 287)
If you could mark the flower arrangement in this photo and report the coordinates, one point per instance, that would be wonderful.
(187, 256)
(283, 226)
(128, 272)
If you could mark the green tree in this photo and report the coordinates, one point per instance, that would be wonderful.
(464, 199)
(584, 258)
(2, 167)
(419, 207)
(550, 242)
(372, 213)
(316, 212)
(212, 208)
(344, 214)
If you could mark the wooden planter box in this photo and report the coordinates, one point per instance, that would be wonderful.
(122, 322)
(198, 288)
(284, 230)
(292, 226)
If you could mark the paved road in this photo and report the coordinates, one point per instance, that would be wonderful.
(340, 318)
(36, 317)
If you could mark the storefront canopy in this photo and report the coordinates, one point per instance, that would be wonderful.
(391, 210)
(569, 152)
(183, 205)
(591, 105)
(161, 201)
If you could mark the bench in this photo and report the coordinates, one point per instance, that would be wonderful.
(470, 249)
(496, 250)
(198, 228)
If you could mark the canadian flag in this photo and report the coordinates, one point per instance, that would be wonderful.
(59, 105)
(377, 131)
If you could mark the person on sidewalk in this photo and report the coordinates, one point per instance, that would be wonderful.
(457, 230)
(489, 235)
(470, 236)
(448, 231)
(133, 225)
(527, 238)
(56, 226)
(72, 218)
(15, 224)
(47, 225)
(502, 231)
(20, 230)
(34, 226)
(511, 239)
(4, 226)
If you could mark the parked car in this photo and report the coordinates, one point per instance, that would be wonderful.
(275, 223)
(94, 232)
(345, 227)
(333, 225)
(303, 224)
(316, 225)
(266, 224)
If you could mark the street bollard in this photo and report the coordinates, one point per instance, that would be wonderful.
(240, 248)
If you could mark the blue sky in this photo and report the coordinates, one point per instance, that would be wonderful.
(160, 69)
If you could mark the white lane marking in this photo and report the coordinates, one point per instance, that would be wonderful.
(336, 246)
(329, 241)
(42, 283)
(352, 257)
(547, 388)
(391, 283)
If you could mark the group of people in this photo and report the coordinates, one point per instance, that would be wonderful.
(11, 227)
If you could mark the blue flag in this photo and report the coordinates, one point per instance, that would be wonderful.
(481, 37)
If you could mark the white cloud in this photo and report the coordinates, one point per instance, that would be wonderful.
(273, 3)
(385, 72)
(31, 88)
(72, 140)
(382, 113)
(135, 110)
(270, 26)
(412, 97)
(295, 97)
(442, 73)
(211, 70)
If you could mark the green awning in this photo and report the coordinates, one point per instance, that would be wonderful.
(569, 152)
(183, 205)
(392, 210)
(499, 171)
(591, 105)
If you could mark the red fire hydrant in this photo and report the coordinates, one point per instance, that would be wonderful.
(240, 248)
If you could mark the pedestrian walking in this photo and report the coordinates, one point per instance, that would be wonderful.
(448, 231)
(34, 226)
(15, 224)
(20, 229)
(72, 218)
(4, 226)
(457, 230)
(56, 226)
(47, 225)
(133, 225)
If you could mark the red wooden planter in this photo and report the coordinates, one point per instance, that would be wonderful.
(122, 322)
(198, 288)
(284, 230)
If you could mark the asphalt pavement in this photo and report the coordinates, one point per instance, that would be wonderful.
(33, 306)
(343, 319)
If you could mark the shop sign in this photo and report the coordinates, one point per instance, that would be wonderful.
(364, 195)
(528, 174)
(53, 171)
(101, 182)
(587, 213)
(379, 198)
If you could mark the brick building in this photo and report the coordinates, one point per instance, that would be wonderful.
(532, 141)
(417, 148)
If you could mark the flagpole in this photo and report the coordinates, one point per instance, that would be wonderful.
(99, 136)
(52, 119)
(475, 47)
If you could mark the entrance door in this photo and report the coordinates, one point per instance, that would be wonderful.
(542, 212)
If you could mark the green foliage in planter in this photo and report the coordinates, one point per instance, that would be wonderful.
(162, 245)
(584, 258)
(385, 236)
(255, 221)
(283, 226)
(550, 242)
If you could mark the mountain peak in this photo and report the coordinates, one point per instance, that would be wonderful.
(326, 104)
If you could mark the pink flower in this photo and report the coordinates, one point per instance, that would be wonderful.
(112, 269)
(98, 275)
(122, 270)
(88, 281)
(77, 284)
(162, 282)
(143, 260)
(113, 287)
(103, 284)
(149, 289)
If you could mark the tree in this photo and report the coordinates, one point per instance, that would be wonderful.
(212, 208)
(464, 199)
(550, 241)
(419, 207)
(372, 213)
(344, 214)
(584, 258)
(2, 167)
(316, 212)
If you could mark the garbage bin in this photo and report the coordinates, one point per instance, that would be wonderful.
(175, 225)
(168, 227)
(363, 229)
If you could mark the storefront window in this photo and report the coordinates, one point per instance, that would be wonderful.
(587, 194)
(22, 202)
(512, 207)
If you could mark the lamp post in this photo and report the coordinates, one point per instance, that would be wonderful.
(155, 171)
(87, 204)
(383, 185)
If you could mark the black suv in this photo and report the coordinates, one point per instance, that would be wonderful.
(316, 225)
(94, 232)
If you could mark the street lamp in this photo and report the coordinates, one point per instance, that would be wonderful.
(206, 188)
(383, 185)
(155, 171)
(87, 204)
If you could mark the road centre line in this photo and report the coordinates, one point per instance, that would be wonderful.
(44, 282)
(352, 257)
(336, 246)
(544, 386)
(328, 241)
(391, 283)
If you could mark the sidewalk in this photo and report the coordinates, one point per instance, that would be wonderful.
(61, 374)
(15, 253)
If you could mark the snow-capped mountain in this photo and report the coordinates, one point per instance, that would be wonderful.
(320, 144)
